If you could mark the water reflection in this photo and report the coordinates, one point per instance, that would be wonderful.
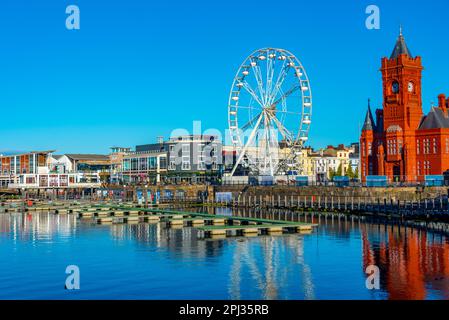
(414, 263)
(180, 243)
(270, 271)
(37, 227)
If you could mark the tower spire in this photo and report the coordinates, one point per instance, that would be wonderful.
(400, 46)
(369, 124)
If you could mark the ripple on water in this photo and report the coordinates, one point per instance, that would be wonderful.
(151, 262)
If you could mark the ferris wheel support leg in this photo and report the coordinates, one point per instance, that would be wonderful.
(250, 140)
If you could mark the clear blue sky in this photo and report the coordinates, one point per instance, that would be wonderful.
(138, 69)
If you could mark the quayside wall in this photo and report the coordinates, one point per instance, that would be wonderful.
(389, 193)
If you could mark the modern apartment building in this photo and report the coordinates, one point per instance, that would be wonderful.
(181, 159)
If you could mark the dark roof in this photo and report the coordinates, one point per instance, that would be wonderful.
(400, 47)
(94, 157)
(58, 156)
(154, 147)
(434, 119)
(369, 121)
(380, 124)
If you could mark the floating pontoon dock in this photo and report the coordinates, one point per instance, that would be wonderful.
(208, 225)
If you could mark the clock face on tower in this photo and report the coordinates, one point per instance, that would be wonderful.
(395, 87)
(410, 87)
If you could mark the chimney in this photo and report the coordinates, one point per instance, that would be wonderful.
(442, 103)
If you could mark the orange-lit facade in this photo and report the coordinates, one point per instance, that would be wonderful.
(12, 166)
(401, 142)
(412, 263)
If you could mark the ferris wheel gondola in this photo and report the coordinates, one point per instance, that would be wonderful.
(270, 102)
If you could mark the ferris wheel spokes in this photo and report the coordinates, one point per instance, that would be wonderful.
(251, 91)
(263, 98)
(250, 140)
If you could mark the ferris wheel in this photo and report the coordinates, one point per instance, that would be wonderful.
(270, 105)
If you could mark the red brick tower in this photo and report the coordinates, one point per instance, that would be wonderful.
(403, 144)
(402, 111)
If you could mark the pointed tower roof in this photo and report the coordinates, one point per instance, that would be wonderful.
(400, 47)
(368, 125)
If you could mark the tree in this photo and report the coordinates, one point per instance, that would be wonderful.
(349, 172)
(331, 173)
(356, 173)
(339, 171)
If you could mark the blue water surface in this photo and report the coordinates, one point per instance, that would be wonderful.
(150, 261)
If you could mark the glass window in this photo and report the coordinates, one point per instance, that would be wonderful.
(126, 164)
(162, 162)
(134, 164)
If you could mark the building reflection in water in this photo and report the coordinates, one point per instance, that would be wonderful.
(181, 243)
(270, 268)
(267, 262)
(37, 227)
(412, 263)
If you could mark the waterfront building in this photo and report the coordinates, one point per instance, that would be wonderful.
(13, 166)
(145, 165)
(116, 161)
(181, 159)
(252, 155)
(41, 170)
(307, 163)
(402, 143)
(318, 165)
(354, 158)
(93, 166)
(331, 161)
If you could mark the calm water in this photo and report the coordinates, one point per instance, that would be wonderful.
(147, 261)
